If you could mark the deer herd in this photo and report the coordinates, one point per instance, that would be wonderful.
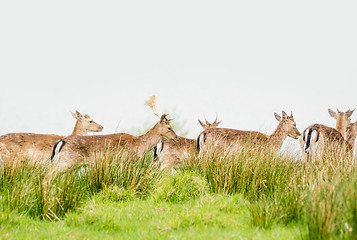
(170, 150)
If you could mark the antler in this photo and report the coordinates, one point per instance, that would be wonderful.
(152, 104)
(215, 121)
(170, 119)
(164, 117)
(207, 123)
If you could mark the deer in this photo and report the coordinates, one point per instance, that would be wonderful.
(225, 138)
(39, 146)
(317, 137)
(75, 149)
(342, 120)
(170, 153)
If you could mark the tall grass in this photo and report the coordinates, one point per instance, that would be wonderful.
(330, 210)
(251, 172)
(123, 170)
(272, 183)
(319, 196)
(21, 187)
(29, 189)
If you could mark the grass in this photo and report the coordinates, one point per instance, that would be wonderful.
(249, 194)
(207, 217)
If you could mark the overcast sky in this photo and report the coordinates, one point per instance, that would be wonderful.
(243, 60)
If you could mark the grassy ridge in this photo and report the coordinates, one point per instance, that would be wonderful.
(248, 193)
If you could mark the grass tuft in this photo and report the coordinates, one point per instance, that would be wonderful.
(181, 187)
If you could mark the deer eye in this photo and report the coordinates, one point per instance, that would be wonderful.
(90, 121)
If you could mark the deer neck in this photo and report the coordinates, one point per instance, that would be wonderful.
(78, 130)
(277, 138)
(149, 140)
(341, 127)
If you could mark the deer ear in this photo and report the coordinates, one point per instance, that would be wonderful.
(284, 115)
(332, 113)
(277, 117)
(76, 115)
(201, 123)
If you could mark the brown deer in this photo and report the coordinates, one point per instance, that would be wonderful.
(170, 153)
(318, 138)
(74, 149)
(39, 146)
(343, 120)
(223, 138)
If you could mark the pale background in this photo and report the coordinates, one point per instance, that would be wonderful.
(243, 60)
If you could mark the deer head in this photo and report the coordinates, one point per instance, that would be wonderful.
(343, 119)
(163, 127)
(288, 124)
(86, 123)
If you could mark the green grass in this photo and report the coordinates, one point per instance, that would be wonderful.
(207, 217)
(248, 194)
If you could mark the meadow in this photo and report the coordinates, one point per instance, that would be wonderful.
(248, 194)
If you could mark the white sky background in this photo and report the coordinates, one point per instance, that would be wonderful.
(244, 60)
